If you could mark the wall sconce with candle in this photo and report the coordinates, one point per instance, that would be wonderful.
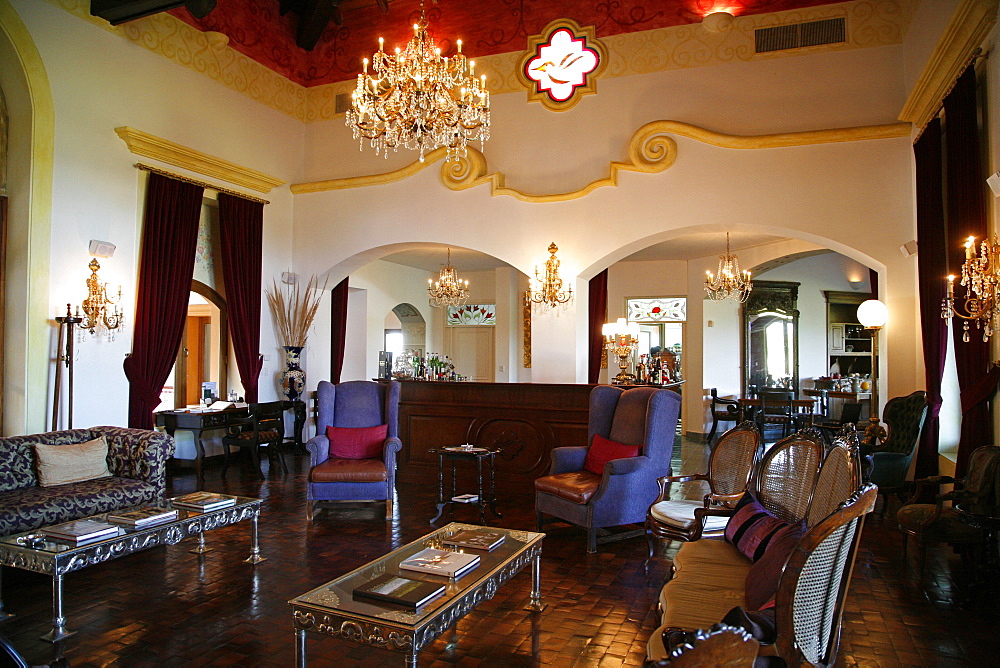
(620, 339)
(101, 312)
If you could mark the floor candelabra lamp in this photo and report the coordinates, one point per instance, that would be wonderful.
(620, 338)
(872, 314)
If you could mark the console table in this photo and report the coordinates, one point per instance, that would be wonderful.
(198, 421)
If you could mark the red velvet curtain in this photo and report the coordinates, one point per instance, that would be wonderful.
(166, 265)
(966, 208)
(241, 228)
(338, 329)
(597, 313)
(932, 263)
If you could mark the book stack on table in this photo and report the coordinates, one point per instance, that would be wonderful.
(203, 502)
(145, 516)
(81, 531)
(396, 589)
(476, 539)
(441, 562)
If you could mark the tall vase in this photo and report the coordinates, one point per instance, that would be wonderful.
(293, 378)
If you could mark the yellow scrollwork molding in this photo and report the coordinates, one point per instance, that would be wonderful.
(650, 150)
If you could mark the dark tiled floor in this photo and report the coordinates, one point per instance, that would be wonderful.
(166, 606)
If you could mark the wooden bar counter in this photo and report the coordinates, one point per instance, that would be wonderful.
(523, 420)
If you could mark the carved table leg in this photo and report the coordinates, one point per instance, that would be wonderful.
(59, 630)
(411, 660)
(201, 548)
(493, 487)
(535, 604)
(300, 648)
(481, 500)
(254, 557)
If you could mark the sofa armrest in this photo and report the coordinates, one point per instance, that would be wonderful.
(319, 449)
(140, 454)
(626, 465)
(389, 451)
(566, 459)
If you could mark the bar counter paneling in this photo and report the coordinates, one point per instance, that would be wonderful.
(523, 420)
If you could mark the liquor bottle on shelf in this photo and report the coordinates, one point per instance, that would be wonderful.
(640, 370)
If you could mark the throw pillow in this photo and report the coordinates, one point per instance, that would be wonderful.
(71, 462)
(357, 442)
(765, 575)
(602, 451)
(751, 528)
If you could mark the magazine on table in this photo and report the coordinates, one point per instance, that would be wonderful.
(390, 588)
(143, 517)
(477, 539)
(204, 501)
(441, 562)
(81, 531)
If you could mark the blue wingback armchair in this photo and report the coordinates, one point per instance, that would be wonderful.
(356, 403)
(642, 416)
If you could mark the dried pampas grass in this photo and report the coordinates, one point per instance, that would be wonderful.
(294, 310)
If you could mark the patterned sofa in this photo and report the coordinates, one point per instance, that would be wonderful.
(137, 459)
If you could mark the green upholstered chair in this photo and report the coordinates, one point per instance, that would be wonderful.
(904, 417)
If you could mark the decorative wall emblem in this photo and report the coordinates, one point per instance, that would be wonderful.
(562, 64)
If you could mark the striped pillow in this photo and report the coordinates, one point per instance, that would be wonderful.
(752, 527)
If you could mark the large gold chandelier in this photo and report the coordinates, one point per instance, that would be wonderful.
(981, 278)
(729, 282)
(550, 289)
(419, 100)
(447, 290)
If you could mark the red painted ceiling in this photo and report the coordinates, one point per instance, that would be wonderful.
(256, 29)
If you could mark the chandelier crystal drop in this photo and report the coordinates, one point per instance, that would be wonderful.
(419, 100)
(981, 279)
(550, 289)
(729, 282)
(448, 290)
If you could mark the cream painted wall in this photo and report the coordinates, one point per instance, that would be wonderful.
(855, 198)
(100, 82)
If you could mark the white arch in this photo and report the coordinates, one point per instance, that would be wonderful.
(27, 318)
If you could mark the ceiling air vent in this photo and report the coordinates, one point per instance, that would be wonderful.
(798, 35)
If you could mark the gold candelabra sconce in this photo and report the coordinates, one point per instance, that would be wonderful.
(550, 289)
(101, 309)
(620, 339)
(981, 279)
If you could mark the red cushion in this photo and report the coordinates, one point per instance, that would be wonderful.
(357, 442)
(602, 451)
(752, 528)
(765, 575)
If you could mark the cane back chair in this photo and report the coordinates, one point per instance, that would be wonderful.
(786, 477)
(729, 467)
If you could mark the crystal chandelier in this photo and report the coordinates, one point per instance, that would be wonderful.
(730, 282)
(981, 278)
(419, 100)
(447, 290)
(99, 308)
(550, 289)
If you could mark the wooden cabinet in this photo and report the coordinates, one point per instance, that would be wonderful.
(849, 345)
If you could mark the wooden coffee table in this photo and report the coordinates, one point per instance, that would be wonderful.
(331, 609)
(57, 558)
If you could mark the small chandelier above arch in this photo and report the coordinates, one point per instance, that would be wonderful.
(562, 64)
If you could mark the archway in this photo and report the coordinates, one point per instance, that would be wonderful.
(27, 324)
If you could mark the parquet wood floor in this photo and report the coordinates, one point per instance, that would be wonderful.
(168, 607)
